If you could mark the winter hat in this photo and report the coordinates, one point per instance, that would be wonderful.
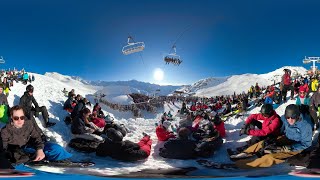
(166, 124)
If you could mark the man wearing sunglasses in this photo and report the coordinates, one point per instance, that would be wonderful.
(23, 143)
(26, 102)
(297, 137)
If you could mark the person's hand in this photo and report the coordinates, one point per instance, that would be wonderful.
(39, 155)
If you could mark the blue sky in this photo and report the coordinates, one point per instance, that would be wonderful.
(219, 38)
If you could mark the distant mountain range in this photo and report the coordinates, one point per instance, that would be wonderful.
(205, 87)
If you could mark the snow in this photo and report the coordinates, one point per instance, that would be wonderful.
(48, 89)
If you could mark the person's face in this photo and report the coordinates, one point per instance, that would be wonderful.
(18, 118)
(1, 90)
(291, 120)
(87, 115)
(302, 94)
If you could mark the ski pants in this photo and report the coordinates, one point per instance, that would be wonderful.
(52, 151)
(44, 112)
(285, 90)
(266, 160)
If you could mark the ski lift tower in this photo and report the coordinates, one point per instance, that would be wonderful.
(307, 60)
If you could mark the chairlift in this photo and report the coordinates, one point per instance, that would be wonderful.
(173, 57)
(133, 47)
(2, 60)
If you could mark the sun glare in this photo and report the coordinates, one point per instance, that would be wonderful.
(158, 74)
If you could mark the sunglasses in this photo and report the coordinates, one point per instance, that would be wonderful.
(293, 117)
(16, 118)
(302, 92)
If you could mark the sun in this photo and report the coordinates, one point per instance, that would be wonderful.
(158, 74)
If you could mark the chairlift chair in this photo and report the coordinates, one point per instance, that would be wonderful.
(133, 47)
(173, 57)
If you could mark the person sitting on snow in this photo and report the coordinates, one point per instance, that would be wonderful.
(187, 122)
(26, 102)
(22, 141)
(65, 92)
(99, 111)
(179, 148)
(297, 137)
(184, 109)
(79, 128)
(70, 103)
(219, 125)
(303, 101)
(162, 131)
(269, 128)
(81, 104)
(208, 140)
(124, 150)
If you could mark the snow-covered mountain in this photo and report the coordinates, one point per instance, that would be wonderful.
(238, 83)
(202, 84)
(138, 86)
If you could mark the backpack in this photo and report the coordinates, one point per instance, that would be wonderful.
(4, 114)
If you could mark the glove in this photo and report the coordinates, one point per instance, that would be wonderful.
(270, 149)
(244, 129)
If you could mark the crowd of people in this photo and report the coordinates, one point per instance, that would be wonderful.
(199, 133)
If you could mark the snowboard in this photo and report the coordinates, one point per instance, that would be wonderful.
(214, 165)
(68, 164)
(306, 173)
(12, 173)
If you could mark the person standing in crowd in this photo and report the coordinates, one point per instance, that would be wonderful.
(286, 84)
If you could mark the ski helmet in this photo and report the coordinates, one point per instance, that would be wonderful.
(266, 109)
(29, 88)
(292, 111)
(114, 135)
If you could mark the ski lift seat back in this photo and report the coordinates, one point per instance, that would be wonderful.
(133, 47)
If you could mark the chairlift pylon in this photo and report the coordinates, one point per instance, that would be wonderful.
(173, 57)
(132, 47)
